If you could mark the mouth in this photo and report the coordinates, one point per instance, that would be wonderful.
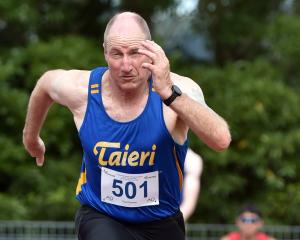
(127, 77)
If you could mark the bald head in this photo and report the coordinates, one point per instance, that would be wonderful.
(126, 21)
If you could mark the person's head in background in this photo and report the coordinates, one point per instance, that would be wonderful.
(249, 220)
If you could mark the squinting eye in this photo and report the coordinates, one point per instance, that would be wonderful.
(135, 53)
(116, 55)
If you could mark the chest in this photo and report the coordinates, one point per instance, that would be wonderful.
(122, 110)
(120, 113)
(129, 145)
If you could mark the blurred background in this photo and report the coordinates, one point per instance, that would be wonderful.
(244, 54)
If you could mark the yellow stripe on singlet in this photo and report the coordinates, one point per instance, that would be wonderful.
(94, 88)
(81, 181)
(178, 169)
(95, 85)
(94, 91)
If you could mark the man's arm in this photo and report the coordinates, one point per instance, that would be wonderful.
(191, 183)
(204, 122)
(192, 111)
(54, 86)
(39, 104)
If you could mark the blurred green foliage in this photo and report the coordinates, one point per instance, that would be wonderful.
(282, 39)
(262, 112)
(236, 27)
(40, 193)
(253, 84)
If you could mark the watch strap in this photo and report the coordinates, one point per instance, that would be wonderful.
(173, 96)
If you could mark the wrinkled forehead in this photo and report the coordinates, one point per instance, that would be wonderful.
(126, 29)
(119, 41)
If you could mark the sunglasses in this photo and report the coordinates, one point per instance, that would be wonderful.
(249, 220)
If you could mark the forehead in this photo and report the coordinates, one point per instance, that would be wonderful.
(125, 31)
(127, 42)
(249, 214)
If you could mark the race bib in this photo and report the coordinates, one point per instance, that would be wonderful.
(129, 190)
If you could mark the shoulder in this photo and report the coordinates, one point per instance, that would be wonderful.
(72, 75)
(60, 76)
(183, 82)
(54, 73)
(189, 87)
(67, 87)
(193, 163)
(231, 236)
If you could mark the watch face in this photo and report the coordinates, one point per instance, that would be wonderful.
(177, 90)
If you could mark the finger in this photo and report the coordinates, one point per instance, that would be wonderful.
(148, 66)
(152, 46)
(147, 53)
(158, 47)
(40, 161)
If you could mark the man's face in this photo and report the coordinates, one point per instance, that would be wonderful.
(122, 56)
(249, 223)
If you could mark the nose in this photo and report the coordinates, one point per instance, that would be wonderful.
(126, 64)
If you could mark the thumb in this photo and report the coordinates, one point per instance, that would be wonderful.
(40, 161)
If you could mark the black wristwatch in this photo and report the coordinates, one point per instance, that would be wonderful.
(175, 93)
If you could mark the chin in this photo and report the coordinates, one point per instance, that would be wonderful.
(132, 83)
(128, 86)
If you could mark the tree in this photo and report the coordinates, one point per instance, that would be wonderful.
(282, 40)
(235, 28)
(31, 20)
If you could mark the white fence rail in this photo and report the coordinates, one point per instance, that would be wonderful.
(36, 230)
(48, 230)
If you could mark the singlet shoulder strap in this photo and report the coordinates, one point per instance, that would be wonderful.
(93, 91)
(95, 79)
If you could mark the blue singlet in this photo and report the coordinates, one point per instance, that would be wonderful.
(132, 171)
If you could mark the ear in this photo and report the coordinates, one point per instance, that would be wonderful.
(104, 47)
(105, 51)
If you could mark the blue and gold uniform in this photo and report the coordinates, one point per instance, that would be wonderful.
(132, 171)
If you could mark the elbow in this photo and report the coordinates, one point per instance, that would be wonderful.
(223, 145)
(222, 141)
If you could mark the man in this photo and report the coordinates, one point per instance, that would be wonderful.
(249, 221)
(132, 121)
(193, 166)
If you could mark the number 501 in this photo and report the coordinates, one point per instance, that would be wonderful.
(129, 188)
